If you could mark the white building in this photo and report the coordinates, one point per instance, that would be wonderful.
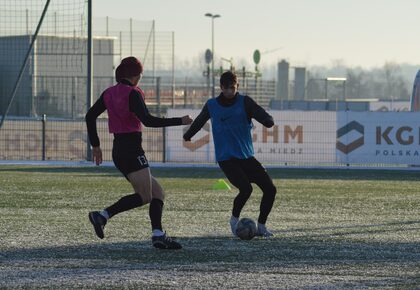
(54, 81)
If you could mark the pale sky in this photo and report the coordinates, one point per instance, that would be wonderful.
(364, 33)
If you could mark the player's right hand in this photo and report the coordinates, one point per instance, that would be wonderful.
(97, 155)
(186, 120)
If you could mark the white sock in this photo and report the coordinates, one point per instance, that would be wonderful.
(157, 233)
(104, 213)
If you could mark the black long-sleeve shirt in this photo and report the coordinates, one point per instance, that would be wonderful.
(252, 109)
(136, 106)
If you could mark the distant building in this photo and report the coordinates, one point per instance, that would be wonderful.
(300, 83)
(54, 81)
(282, 85)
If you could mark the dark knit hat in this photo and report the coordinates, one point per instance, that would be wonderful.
(118, 74)
(129, 67)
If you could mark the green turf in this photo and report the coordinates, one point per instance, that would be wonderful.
(334, 229)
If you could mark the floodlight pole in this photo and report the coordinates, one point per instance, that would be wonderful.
(212, 50)
(89, 74)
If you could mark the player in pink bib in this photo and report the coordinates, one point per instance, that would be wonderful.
(127, 111)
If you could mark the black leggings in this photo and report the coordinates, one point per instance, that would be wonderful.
(241, 173)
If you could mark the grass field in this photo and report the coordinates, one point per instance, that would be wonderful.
(334, 229)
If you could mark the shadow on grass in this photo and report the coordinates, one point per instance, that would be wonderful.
(275, 173)
(94, 170)
(310, 248)
(223, 262)
(325, 256)
(391, 227)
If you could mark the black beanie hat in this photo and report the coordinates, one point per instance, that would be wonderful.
(129, 67)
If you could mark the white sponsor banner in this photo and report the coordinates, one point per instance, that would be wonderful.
(200, 149)
(296, 137)
(378, 137)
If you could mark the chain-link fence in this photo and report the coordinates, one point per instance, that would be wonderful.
(43, 78)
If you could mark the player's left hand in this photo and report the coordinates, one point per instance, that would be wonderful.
(186, 138)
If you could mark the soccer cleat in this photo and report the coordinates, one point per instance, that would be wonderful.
(263, 232)
(233, 225)
(165, 243)
(98, 222)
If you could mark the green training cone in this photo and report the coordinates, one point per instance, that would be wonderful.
(221, 184)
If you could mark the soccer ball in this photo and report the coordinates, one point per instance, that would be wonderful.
(246, 229)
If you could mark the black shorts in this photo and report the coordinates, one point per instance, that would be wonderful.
(127, 153)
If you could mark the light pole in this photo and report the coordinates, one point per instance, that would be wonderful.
(212, 16)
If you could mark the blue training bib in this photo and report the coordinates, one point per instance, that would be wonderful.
(231, 130)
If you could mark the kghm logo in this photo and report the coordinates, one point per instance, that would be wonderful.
(193, 146)
(353, 125)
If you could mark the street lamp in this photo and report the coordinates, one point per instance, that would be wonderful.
(212, 16)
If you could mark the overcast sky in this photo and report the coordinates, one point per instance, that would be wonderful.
(364, 33)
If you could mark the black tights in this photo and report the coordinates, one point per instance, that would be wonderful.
(133, 201)
(241, 173)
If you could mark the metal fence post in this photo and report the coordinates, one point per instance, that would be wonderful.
(164, 145)
(158, 95)
(89, 72)
(44, 121)
(185, 92)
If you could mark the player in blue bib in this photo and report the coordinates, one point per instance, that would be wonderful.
(231, 115)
